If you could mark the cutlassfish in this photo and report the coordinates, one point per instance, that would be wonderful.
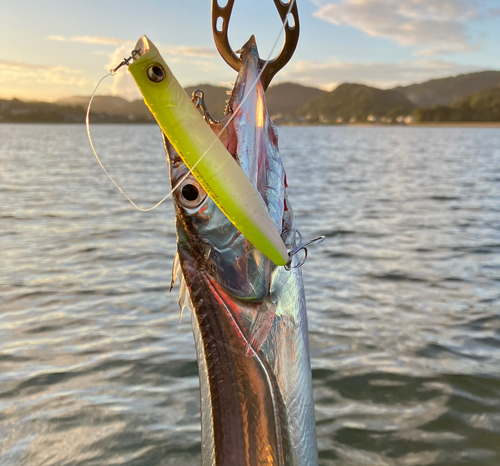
(248, 315)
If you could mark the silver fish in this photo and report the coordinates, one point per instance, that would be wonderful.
(248, 316)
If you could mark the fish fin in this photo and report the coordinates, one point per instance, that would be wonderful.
(184, 300)
(184, 297)
(261, 326)
(176, 271)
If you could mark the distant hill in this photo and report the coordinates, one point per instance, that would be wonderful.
(445, 91)
(281, 99)
(215, 98)
(101, 103)
(286, 98)
(111, 105)
(132, 110)
(482, 106)
(356, 101)
(17, 111)
(454, 99)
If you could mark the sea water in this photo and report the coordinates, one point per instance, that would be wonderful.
(403, 297)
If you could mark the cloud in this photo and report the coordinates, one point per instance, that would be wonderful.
(20, 73)
(123, 83)
(180, 50)
(183, 50)
(440, 25)
(58, 38)
(194, 57)
(97, 40)
(384, 75)
(88, 40)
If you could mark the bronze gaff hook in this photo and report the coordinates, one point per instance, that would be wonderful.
(274, 65)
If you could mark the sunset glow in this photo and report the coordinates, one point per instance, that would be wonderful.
(52, 49)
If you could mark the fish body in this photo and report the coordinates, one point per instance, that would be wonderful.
(248, 315)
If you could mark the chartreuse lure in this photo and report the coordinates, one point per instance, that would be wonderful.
(203, 153)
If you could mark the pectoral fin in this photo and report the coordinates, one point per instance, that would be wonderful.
(176, 271)
(261, 326)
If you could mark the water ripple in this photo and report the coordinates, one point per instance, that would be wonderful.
(403, 298)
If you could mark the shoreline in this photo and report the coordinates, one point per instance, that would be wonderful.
(461, 124)
(440, 124)
(436, 124)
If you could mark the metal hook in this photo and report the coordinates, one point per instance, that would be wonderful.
(198, 99)
(302, 247)
(284, 8)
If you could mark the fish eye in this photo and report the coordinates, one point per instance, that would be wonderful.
(156, 73)
(190, 193)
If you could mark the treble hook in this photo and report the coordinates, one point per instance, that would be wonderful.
(273, 66)
(301, 247)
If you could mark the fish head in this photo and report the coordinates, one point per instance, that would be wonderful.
(206, 239)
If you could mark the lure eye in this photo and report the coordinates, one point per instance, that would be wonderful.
(190, 193)
(156, 73)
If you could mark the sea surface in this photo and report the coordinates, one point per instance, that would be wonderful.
(403, 297)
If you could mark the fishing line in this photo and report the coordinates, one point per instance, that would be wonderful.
(87, 123)
(231, 118)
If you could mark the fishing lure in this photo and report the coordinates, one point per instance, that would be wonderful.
(203, 153)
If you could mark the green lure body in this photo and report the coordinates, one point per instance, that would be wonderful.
(202, 152)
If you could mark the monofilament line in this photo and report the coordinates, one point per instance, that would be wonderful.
(87, 123)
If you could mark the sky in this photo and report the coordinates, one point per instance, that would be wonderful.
(50, 49)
